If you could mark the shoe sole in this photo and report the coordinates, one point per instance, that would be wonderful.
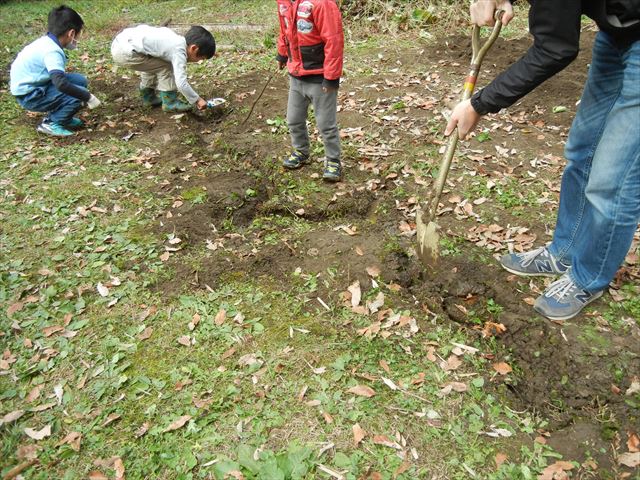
(524, 274)
(296, 167)
(569, 317)
(331, 179)
(51, 134)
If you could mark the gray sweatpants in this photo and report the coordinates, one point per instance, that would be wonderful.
(301, 94)
(154, 72)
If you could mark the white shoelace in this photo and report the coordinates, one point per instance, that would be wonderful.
(529, 257)
(560, 288)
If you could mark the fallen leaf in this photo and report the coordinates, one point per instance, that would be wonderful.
(38, 434)
(356, 293)
(185, 340)
(34, 393)
(362, 390)
(112, 417)
(220, 317)
(145, 334)
(502, 368)
(102, 290)
(118, 466)
(96, 475)
(16, 307)
(11, 416)
(142, 430)
(631, 460)
(73, 440)
(358, 434)
(373, 271)
(452, 363)
(500, 458)
(178, 423)
(633, 442)
(48, 331)
(386, 442)
(634, 387)
(556, 471)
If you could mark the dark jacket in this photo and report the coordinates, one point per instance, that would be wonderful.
(555, 26)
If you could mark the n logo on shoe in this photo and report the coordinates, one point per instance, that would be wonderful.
(583, 296)
(544, 266)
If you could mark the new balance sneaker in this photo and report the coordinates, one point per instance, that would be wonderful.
(538, 262)
(75, 122)
(53, 128)
(332, 171)
(563, 299)
(295, 160)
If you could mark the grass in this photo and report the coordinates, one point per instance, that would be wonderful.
(266, 385)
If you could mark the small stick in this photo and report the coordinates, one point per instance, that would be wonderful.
(18, 469)
(259, 97)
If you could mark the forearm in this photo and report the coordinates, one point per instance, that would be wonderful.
(180, 75)
(556, 31)
(60, 81)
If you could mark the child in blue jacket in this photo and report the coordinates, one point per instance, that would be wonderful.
(39, 81)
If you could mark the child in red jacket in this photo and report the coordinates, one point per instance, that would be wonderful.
(311, 45)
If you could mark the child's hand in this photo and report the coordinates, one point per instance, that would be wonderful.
(329, 89)
(281, 64)
(201, 104)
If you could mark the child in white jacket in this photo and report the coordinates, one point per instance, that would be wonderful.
(160, 56)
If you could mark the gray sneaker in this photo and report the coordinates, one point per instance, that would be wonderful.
(563, 299)
(538, 262)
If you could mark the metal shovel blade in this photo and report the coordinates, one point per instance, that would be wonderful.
(428, 240)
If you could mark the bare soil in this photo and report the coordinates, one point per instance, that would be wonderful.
(560, 372)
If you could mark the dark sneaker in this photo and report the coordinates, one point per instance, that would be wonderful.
(563, 299)
(53, 128)
(538, 262)
(171, 103)
(295, 160)
(149, 97)
(75, 122)
(332, 171)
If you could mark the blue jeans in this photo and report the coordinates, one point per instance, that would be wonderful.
(48, 99)
(600, 192)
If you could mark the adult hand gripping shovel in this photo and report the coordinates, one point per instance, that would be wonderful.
(426, 226)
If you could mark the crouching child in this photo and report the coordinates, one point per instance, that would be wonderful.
(39, 81)
(160, 56)
(311, 45)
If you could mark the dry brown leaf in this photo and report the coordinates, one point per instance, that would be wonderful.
(118, 466)
(452, 363)
(502, 368)
(96, 475)
(358, 434)
(11, 416)
(73, 439)
(500, 458)
(386, 442)
(556, 471)
(185, 340)
(178, 423)
(633, 442)
(373, 271)
(629, 459)
(16, 307)
(112, 417)
(404, 466)
(142, 429)
(492, 329)
(48, 331)
(220, 317)
(38, 434)
(385, 366)
(356, 293)
(145, 334)
(362, 390)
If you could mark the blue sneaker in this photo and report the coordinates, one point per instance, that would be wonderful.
(332, 171)
(538, 262)
(563, 299)
(295, 160)
(53, 128)
(75, 122)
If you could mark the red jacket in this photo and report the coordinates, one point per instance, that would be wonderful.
(311, 40)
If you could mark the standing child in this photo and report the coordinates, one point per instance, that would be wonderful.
(311, 45)
(39, 81)
(160, 56)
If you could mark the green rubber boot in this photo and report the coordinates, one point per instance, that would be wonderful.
(149, 97)
(171, 103)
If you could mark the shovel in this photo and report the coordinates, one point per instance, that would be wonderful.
(426, 226)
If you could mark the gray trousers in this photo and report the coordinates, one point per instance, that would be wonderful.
(154, 72)
(301, 94)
